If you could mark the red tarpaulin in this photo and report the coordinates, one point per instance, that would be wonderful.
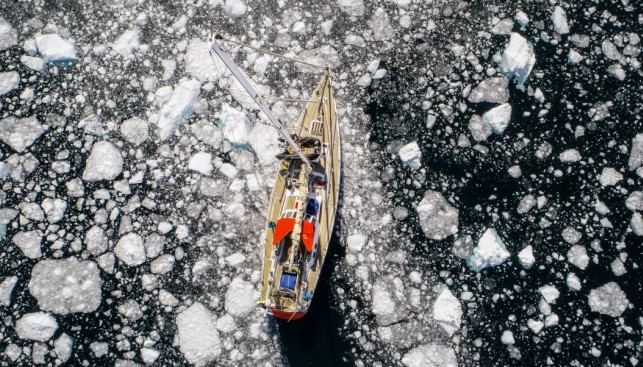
(308, 235)
(284, 226)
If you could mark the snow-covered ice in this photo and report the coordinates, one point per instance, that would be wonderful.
(6, 289)
(492, 90)
(610, 177)
(29, 242)
(559, 18)
(201, 162)
(135, 130)
(163, 264)
(430, 355)
(507, 338)
(235, 125)
(354, 8)
(577, 255)
(240, 298)
(104, 163)
(38, 326)
(235, 8)
(66, 286)
(411, 155)
(608, 299)
(63, 346)
(177, 108)
(130, 249)
(438, 218)
(447, 311)
(498, 118)
(34, 63)
(54, 48)
(96, 240)
(21, 133)
(197, 335)
(490, 251)
(518, 58)
(549, 293)
(479, 130)
(9, 80)
(8, 35)
(526, 257)
(636, 153)
(356, 242)
(264, 142)
(573, 282)
(54, 209)
(127, 43)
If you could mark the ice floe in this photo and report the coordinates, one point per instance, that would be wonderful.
(490, 251)
(21, 133)
(9, 80)
(29, 242)
(135, 130)
(8, 35)
(411, 155)
(240, 298)
(197, 335)
(201, 162)
(54, 48)
(6, 289)
(526, 257)
(235, 125)
(104, 163)
(438, 218)
(498, 118)
(447, 311)
(130, 249)
(430, 355)
(559, 18)
(492, 90)
(38, 326)
(518, 58)
(127, 43)
(608, 299)
(177, 108)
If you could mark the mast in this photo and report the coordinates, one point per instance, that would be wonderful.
(223, 55)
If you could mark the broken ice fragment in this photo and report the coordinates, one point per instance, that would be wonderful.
(559, 18)
(21, 133)
(8, 35)
(104, 163)
(526, 257)
(127, 43)
(177, 108)
(201, 162)
(492, 90)
(55, 49)
(491, 251)
(9, 81)
(235, 125)
(518, 58)
(636, 153)
(29, 243)
(354, 8)
(37, 326)
(411, 155)
(235, 8)
(608, 299)
(498, 118)
(130, 249)
(135, 130)
(577, 256)
(240, 298)
(447, 311)
(438, 218)
(430, 355)
(197, 335)
(6, 289)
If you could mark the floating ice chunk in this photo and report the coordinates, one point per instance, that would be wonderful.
(235, 8)
(610, 51)
(431, 355)
(514, 171)
(235, 125)
(208, 133)
(177, 108)
(522, 18)
(355, 243)
(518, 58)
(7, 215)
(526, 204)
(167, 299)
(574, 57)
(38, 326)
(381, 26)
(130, 249)
(63, 347)
(264, 141)
(559, 18)
(498, 118)
(32, 211)
(610, 177)
(149, 355)
(228, 170)
(240, 298)
(608, 299)
(55, 49)
(503, 27)
(99, 349)
(637, 224)
(104, 163)
(6, 289)
(34, 63)
(577, 255)
(411, 155)
(353, 8)
(127, 43)
(135, 130)
(551, 320)
(235, 259)
(200, 65)
(549, 293)
(200, 267)
(8, 35)
(201, 162)
(570, 155)
(617, 72)
(29, 243)
(20, 133)
(479, 130)
(447, 311)
(322, 56)
(571, 236)
(54, 209)
(618, 267)
(438, 218)
(364, 81)
(155, 243)
(636, 153)
(131, 310)
(226, 324)
(634, 202)
(491, 251)
(66, 286)
(507, 338)
(197, 334)
(299, 28)
(163, 264)
(526, 257)
(169, 66)
(492, 90)
(573, 283)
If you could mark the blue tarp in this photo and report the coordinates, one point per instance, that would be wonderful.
(312, 207)
(288, 281)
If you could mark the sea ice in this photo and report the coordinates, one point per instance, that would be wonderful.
(479, 130)
(104, 163)
(610, 177)
(634, 202)
(6, 289)
(577, 255)
(54, 209)
(574, 57)
(549, 293)
(130, 249)
(34, 63)
(201, 162)
(526, 204)
(636, 153)
(636, 223)
(235, 8)
(430, 355)
(356, 242)
(197, 335)
(240, 298)
(127, 43)
(9, 81)
(38, 326)
(135, 130)
(491, 251)
(518, 58)
(200, 65)
(608, 299)
(492, 90)
(498, 118)
(571, 236)
(55, 49)
(163, 264)
(526, 257)
(447, 311)
(63, 347)
(235, 125)
(503, 27)
(264, 142)
(235, 259)
(20, 133)
(131, 309)
(177, 108)
(149, 356)
(507, 338)
(154, 244)
(535, 326)
(573, 283)
(438, 218)
(353, 8)
(559, 18)
(29, 243)
(570, 155)
(66, 286)
(411, 155)
(8, 35)
(522, 18)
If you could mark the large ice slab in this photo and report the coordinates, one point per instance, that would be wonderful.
(492, 90)
(235, 8)
(264, 141)
(66, 286)
(491, 251)
(447, 311)
(559, 18)
(438, 218)
(104, 163)
(127, 43)
(130, 249)
(354, 8)
(21, 133)
(177, 108)
(235, 125)
(198, 336)
(6, 289)
(135, 130)
(38, 326)
(518, 58)
(53, 48)
(608, 299)
(201, 162)
(411, 155)
(29, 243)
(240, 298)
(8, 35)
(200, 65)
(498, 118)
(431, 355)
(9, 80)
(636, 153)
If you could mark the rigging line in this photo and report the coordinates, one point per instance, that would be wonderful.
(274, 98)
(270, 53)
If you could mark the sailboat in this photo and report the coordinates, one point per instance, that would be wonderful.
(303, 204)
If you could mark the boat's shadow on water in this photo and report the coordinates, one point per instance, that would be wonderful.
(314, 339)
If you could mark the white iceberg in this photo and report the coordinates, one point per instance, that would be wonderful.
(55, 49)
(498, 118)
(104, 163)
(608, 299)
(491, 251)
(177, 108)
(518, 58)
